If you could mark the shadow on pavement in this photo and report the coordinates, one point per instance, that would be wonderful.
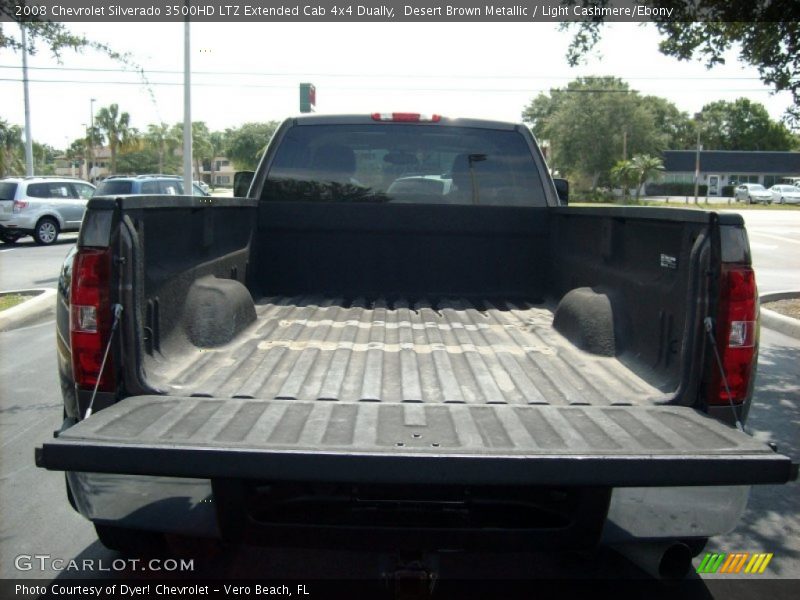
(65, 239)
(771, 522)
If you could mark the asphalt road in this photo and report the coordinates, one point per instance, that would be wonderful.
(35, 518)
(26, 265)
(775, 244)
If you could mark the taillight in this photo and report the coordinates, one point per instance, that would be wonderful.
(19, 205)
(406, 117)
(91, 318)
(736, 334)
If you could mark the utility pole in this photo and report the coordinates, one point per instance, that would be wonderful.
(697, 117)
(625, 143)
(26, 94)
(187, 109)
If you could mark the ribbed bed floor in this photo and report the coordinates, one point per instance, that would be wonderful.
(312, 348)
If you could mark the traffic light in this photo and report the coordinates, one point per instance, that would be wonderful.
(308, 97)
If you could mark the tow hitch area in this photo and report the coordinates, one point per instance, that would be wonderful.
(411, 578)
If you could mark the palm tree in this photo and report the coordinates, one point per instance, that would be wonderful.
(201, 144)
(646, 167)
(202, 148)
(116, 128)
(218, 142)
(11, 149)
(624, 174)
(163, 140)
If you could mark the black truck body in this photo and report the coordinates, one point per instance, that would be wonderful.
(319, 365)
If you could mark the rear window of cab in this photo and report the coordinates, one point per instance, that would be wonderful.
(399, 163)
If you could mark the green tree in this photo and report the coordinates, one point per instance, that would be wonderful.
(218, 141)
(247, 143)
(201, 145)
(635, 172)
(76, 150)
(11, 149)
(55, 36)
(202, 149)
(141, 159)
(116, 130)
(742, 125)
(588, 123)
(675, 125)
(645, 167)
(624, 175)
(44, 157)
(162, 140)
(763, 31)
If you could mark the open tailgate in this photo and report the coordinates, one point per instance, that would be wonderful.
(286, 440)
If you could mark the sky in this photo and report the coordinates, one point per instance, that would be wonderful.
(251, 72)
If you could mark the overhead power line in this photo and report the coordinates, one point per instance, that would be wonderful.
(391, 88)
(390, 75)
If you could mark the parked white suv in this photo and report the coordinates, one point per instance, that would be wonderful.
(41, 207)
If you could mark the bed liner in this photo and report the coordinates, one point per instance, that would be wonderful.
(451, 351)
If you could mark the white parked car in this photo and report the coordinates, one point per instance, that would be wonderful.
(753, 192)
(785, 194)
(41, 207)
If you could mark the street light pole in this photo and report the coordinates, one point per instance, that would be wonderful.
(26, 94)
(187, 109)
(91, 140)
(85, 155)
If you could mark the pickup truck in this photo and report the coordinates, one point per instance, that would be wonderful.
(464, 362)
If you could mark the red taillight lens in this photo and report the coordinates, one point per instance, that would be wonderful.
(19, 205)
(406, 117)
(90, 318)
(736, 334)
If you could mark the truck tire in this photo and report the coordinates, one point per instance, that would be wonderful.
(46, 231)
(131, 542)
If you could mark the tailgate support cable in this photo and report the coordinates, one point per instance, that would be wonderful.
(117, 313)
(708, 322)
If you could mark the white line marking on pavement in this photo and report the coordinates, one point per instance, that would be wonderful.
(774, 237)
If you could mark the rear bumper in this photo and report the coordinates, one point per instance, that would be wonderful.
(18, 222)
(189, 507)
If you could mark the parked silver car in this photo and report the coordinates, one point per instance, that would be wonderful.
(785, 194)
(41, 207)
(752, 192)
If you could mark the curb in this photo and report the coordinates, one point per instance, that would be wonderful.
(29, 311)
(776, 321)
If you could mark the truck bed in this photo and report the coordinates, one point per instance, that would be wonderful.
(451, 351)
